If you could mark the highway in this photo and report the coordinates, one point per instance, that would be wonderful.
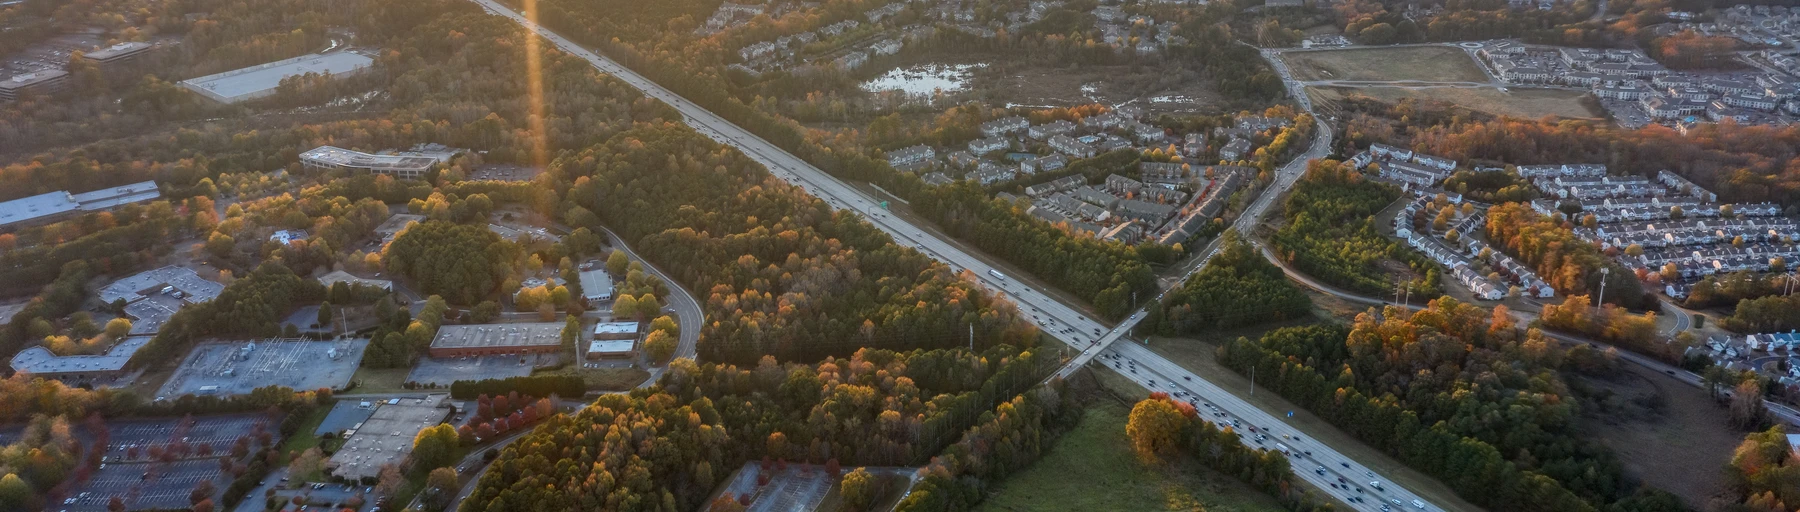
(1060, 321)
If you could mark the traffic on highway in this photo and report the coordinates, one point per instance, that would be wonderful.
(1062, 322)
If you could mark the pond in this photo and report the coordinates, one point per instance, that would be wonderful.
(924, 79)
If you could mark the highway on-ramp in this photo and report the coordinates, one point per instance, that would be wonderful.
(1059, 320)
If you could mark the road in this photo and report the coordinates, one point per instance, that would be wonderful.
(680, 301)
(1060, 321)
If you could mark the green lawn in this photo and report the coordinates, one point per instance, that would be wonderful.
(379, 380)
(304, 438)
(1093, 468)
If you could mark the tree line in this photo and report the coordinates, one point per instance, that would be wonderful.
(706, 419)
(1406, 384)
(1237, 287)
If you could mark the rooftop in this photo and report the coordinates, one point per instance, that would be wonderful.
(340, 157)
(615, 328)
(498, 335)
(611, 346)
(260, 80)
(117, 51)
(40, 360)
(387, 436)
(32, 78)
(596, 284)
(132, 288)
(338, 276)
(57, 203)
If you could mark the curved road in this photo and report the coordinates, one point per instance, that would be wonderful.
(1059, 320)
(680, 301)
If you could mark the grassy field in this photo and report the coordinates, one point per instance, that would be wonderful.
(304, 438)
(1425, 63)
(1519, 103)
(1688, 432)
(1197, 355)
(1093, 468)
(379, 380)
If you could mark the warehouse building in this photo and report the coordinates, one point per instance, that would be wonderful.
(386, 438)
(56, 206)
(93, 370)
(40, 82)
(610, 349)
(497, 339)
(260, 81)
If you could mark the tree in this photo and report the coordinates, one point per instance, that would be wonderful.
(118, 328)
(435, 446)
(485, 312)
(659, 346)
(389, 479)
(571, 331)
(617, 262)
(440, 487)
(1155, 427)
(624, 307)
(858, 489)
(205, 505)
(305, 466)
(463, 263)
(15, 494)
(202, 491)
(665, 323)
(325, 314)
(1747, 409)
(648, 307)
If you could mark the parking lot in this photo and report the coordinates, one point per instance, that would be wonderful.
(218, 432)
(236, 368)
(444, 371)
(505, 172)
(144, 485)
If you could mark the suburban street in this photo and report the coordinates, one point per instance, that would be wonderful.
(1059, 320)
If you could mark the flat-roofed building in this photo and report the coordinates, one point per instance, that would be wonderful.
(43, 81)
(410, 167)
(610, 349)
(55, 206)
(596, 285)
(386, 438)
(261, 80)
(77, 370)
(616, 331)
(118, 54)
(339, 276)
(497, 339)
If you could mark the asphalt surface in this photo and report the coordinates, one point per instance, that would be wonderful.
(680, 301)
(1060, 321)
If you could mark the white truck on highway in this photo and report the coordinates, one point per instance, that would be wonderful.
(997, 274)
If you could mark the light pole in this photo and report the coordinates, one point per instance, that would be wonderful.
(1604, 271)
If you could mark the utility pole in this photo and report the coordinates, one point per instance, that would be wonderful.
(1252, 381)
(971, 336)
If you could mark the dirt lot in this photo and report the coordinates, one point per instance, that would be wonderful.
(1688, 431)
(1426, 63)
(1519, 103)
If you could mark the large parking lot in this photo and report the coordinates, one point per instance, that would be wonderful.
(444, 371)
(219, 432)
(144, 485)
(236, 368)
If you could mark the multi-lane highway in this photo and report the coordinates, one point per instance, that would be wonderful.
(1059, 320)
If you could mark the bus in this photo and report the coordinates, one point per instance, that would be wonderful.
(997, 274)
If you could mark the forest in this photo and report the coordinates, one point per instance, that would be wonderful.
(1330, 232)
(1764, 474)
(1454, 391)
(777, 271)
(1105, 273)
(1571, 265)
(1237, 287)
(665, 448)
